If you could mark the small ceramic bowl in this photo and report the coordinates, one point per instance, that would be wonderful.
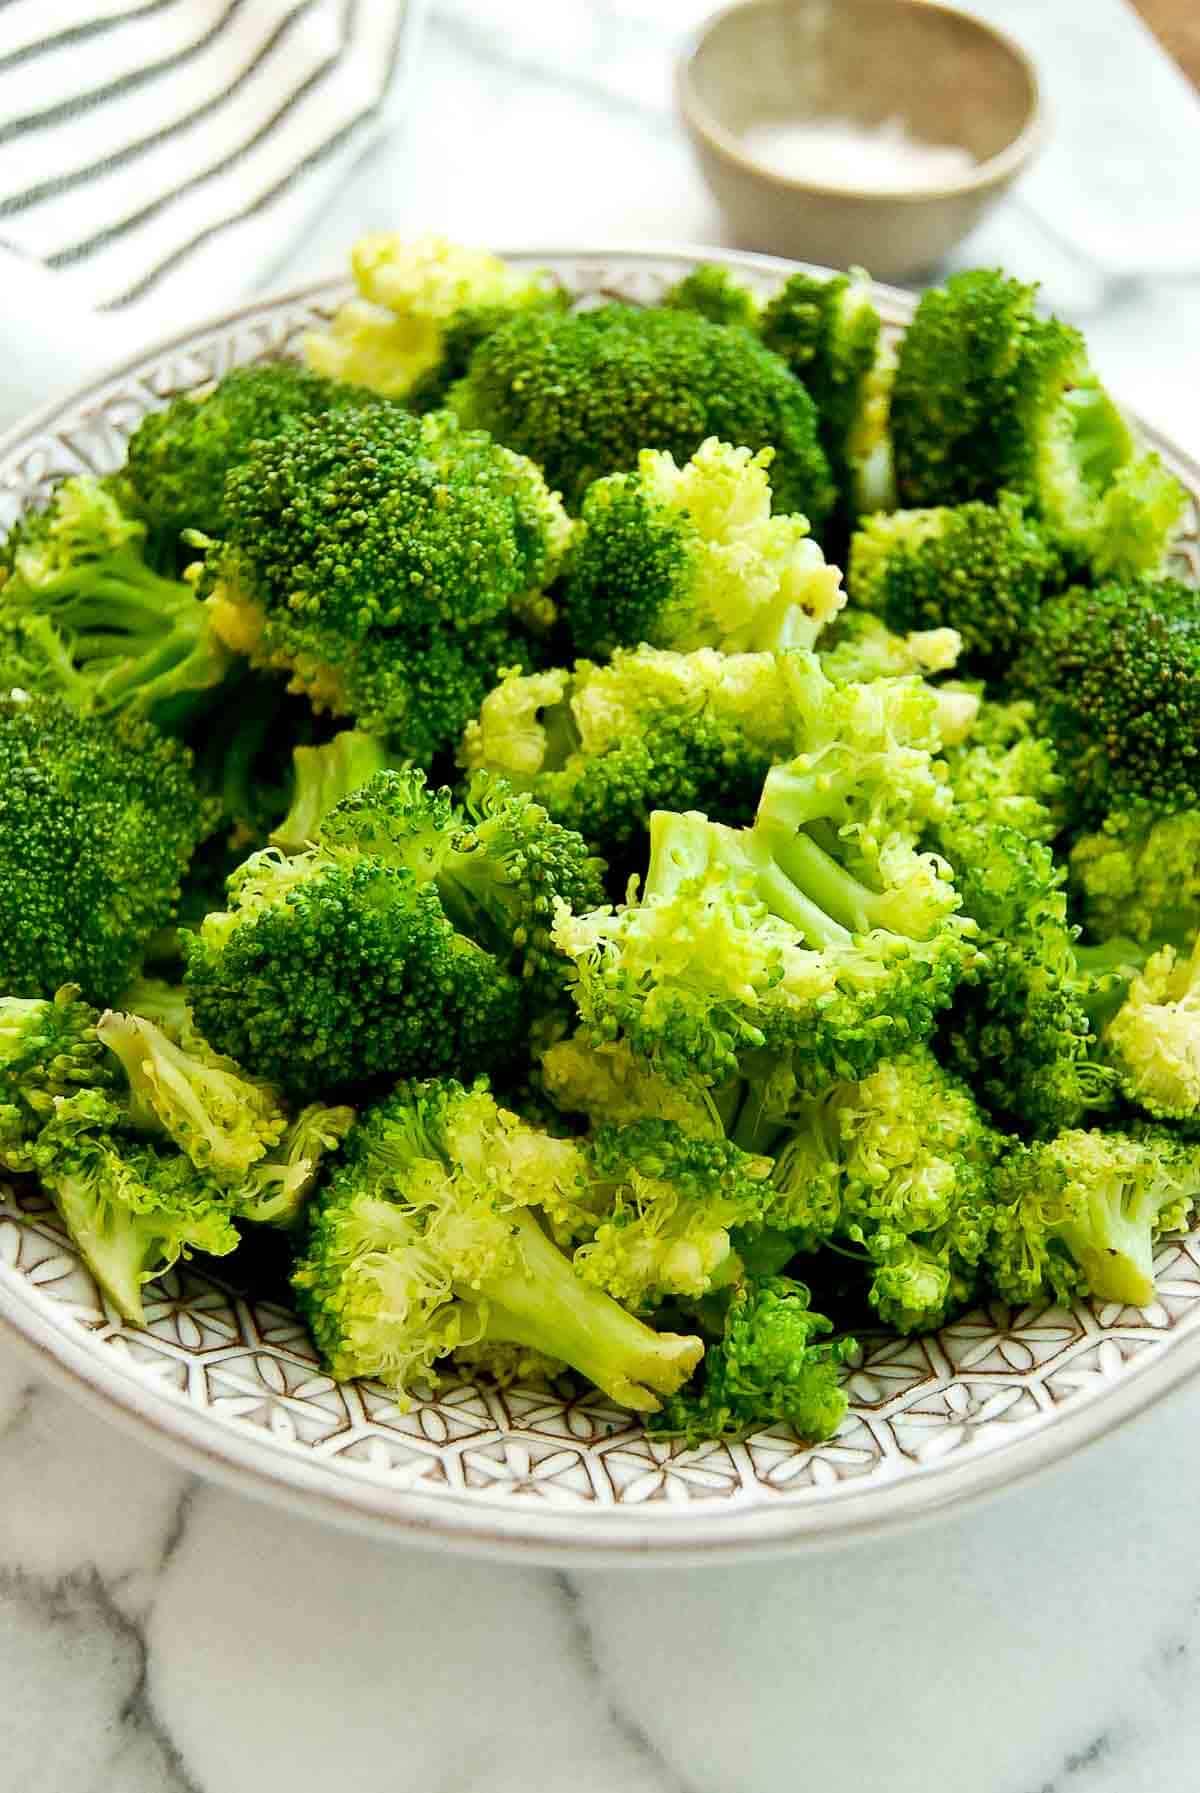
(946, 79)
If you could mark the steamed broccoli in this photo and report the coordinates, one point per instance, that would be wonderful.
(84, 618)
(178, 457)
(715, 294)
(1138, 874)
(828, 332)
(48, 1048)
(689, 557)
(428, 1240)
(773, 1364)
(322, 777)
(1115, 676)
(989, 396)
(583, 393)
(1079, 1214)
(422, 307)
(858, 648)
(377, 560)
(1153, 1040)
(98, 820)
(277, 1187)
(979, 568)
(133, 1208)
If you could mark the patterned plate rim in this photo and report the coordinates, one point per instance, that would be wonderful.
(281, 1470)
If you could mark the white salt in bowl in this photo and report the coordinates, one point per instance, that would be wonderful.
(866, 133)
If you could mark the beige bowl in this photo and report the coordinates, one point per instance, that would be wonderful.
(948, 78)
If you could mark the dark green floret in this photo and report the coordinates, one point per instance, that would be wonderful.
(713, 292)
(98, 821)
(981, 569)
(989, 396)
(772, 1364)
(1115, 675)
(377, 560)
(829, 333)
(179, 457)
(583, 393)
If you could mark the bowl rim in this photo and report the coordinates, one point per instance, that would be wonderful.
(109, 1383)
(995, 170)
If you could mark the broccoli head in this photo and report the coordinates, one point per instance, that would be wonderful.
(429, 1240)
(773, 1364)
(1115, 675)
(690, 557)
(715, 294)
(979, 568)
(422, 307)
(990, 396)
(48, 1048)
(828, 331)
(133, 1208)
(1138, 875)
(582, 393)
(86, 619)
(1079, 1213)
(98, 820)
(179, 457)
(1153, 1040)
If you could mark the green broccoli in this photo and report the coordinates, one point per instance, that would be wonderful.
(277, 1187)
(1153, 1040)
(1138, 874)
(322, 777)
(422, 307)
(1115, 676)
(858, 648)
(377, 560)
(828, 331)
(690, 557)
(48, 1048)
(989, 396)
(665, 1202)
(178, 457)
(98, 820)
(896, 1169)
(582, 393)
(772, 1365)
(1079, 1214)
(982, 569)
(715, 294)
(428, 1239)
(132, 1208)
(84, 618)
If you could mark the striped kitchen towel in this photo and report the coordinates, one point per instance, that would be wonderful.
(160, 156)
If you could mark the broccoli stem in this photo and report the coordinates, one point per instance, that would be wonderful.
(117, 1248)
(546, 1307)
(1115, 1247)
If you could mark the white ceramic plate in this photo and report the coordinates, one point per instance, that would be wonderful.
(233, 1387)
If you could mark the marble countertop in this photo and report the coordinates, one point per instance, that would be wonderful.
(158, 1635)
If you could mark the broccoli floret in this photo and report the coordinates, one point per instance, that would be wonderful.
(179, 457)
(223, 1120)
(1005, 772)
(1153, 1040)
(377, 560)
(689, 557)
(1138, 875)
(713, 292)
(48, 1048)
(1079, 1214)
(582, 393)
(132, 1208)
(979, 568)
(98, 820)
(895, 1168)
(772, 1365)
(989, 396)
(603, 746)
(428, 1239)
(666, 1201)
(610, 1084)
(87, 620)
(858, 647)
(322, 777)
(276, 1189)
(828, 332)
(827, 951)
(1115, 675)
(333, 968)
(422, 308)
